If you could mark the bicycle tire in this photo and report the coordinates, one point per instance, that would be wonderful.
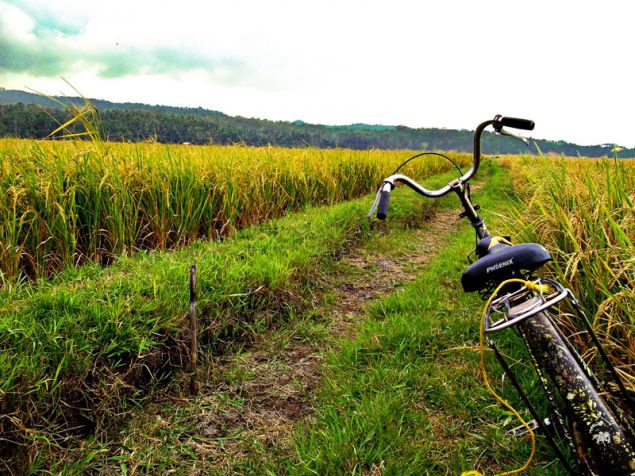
(609, 446)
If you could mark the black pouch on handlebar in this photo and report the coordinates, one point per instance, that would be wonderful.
(503, 262)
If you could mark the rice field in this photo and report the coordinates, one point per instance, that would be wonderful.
(65, 203)
(583, 211)
(83, 346)
(90, 319)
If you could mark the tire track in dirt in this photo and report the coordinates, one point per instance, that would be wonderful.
(252, 401)
(278, 392)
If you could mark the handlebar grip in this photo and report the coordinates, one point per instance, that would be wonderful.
(516, 123)
(382, 208)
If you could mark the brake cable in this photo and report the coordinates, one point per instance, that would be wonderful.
(429, 153)
(374, 207)
(439, 155)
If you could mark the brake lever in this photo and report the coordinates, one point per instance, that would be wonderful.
(505, 132)
(375, 204)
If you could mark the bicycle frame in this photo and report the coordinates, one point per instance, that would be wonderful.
(552, 354)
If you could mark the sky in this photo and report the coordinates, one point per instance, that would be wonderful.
(567, 65)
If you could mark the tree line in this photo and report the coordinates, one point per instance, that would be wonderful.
(34, 121)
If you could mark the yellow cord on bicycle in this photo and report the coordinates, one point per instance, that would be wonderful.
(540, 288)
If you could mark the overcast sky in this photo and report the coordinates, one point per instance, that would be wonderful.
(568, 65)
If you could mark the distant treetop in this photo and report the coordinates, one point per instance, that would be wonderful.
(29, 115)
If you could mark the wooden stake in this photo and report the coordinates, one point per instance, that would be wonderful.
(193, 332)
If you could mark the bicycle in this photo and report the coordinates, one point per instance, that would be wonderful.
(600, 437)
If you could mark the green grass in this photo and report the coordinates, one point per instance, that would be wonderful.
(86, 346)
(406, 396)
(182, 423)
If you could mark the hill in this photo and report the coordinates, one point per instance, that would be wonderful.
(28, 115)
(12, 96)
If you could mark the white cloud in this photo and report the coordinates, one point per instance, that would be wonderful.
(14, 23)
(423, 64)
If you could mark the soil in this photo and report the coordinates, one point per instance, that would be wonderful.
(251, 401)
(275, 385)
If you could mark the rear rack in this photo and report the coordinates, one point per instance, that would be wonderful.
(522, 304)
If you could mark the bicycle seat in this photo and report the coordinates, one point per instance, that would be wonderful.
(503, 262)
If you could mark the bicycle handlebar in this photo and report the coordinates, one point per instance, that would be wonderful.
(384, 200)
(515, 123)
(383, 195)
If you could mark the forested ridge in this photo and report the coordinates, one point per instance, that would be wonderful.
(28, 115)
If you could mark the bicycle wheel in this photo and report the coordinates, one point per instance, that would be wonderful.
(604, 443)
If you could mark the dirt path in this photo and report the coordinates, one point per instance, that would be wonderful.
(252, 401)
(281, 380)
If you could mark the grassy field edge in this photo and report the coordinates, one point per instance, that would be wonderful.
(87, 346)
